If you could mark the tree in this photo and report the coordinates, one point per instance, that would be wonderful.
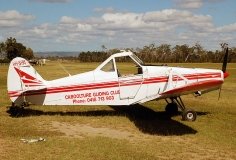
(15, 49)
(28, 54)
(200, 53)
(181, 52)
(11, 48)
(164, 53)
(2, 50)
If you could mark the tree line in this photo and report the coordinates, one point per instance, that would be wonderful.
(11, 49)
(165, 53)
(152, 53)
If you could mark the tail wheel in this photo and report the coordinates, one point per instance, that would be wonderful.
(189, 115)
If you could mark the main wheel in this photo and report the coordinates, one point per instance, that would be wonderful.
(171, 109)
(189, 115)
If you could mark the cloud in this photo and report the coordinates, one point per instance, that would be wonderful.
(164, 20)
(68, 20)
(122, 20)
(188, 4)
(231, 28)
(105, 10)
(73, 24)
(51, 1)
(177, 17)
(193, 4)
(133, 24)
(13, 18)
(128, 29)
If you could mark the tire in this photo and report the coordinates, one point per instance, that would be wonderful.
(171, 109)
(189, 115)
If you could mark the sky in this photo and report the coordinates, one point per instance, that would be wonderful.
(82, 25)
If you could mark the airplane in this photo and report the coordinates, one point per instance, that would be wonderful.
(111, 84)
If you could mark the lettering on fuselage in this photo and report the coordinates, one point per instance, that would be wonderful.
(80, 98)
(20, 63)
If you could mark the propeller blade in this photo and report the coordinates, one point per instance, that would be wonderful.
(224, 65)
(225, 61)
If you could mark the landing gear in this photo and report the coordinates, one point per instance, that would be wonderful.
(172, 109)
(189, 115)
(25, 104)
(22, 105)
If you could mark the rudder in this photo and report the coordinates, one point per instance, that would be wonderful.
(22, 77)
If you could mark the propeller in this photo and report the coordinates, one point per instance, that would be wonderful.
(224, 65)
(225, 60)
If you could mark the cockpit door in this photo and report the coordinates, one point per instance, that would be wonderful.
(130, 77)
(129, 86)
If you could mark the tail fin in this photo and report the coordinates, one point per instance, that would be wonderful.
(22, 77)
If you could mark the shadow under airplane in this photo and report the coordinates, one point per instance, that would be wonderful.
(145, 119)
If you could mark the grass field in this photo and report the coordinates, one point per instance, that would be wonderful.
(136, 132)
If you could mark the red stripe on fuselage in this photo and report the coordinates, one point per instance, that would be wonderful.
(194, 87)
(112, 84)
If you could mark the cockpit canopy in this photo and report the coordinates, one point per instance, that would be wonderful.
(112, 64)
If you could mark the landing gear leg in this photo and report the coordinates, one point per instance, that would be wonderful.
(22, 106)
(25, 104)
(187, 114)
(13, 104)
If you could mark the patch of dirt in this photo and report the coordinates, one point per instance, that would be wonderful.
(195, 149)
(84, 130)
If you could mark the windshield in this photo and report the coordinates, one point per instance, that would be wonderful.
(137, 59)
(109, 67)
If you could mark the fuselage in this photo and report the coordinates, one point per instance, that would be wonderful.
(101, 88)
(106, 86)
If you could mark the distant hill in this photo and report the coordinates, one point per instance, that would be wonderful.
(56, 53)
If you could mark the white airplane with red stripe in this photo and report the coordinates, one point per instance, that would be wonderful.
(108, 84)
